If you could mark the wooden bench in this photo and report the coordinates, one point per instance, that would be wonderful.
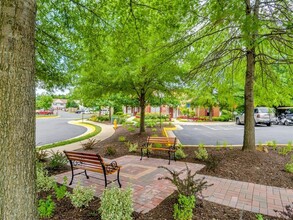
(92, 162)
(168, 144)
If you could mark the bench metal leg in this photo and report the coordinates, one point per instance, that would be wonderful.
(86, 174)
(118, 178)
(141, 153)
(72, 174)
(169, 153)
(175, 156)
(106, 182)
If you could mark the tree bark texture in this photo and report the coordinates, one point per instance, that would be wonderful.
(142, 112)
(17, 116)
(211, 113)
(249, 131)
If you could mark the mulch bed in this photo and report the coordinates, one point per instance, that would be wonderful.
(255, 167)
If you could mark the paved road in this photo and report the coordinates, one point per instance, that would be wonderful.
(232, 134)
(50, 130)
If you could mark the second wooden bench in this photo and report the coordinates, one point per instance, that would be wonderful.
(167, 144)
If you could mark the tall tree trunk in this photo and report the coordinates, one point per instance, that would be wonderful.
(211, 113)
(110, 113)
(249, 130)
(142, 112)
(17, 110)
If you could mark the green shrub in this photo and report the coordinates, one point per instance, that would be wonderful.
(284, 150)
(60, 191)
(110, 151)
(212, 162)
(289, 146)
(259, 217)
(132, 147)
(180, 154)
(269, 143)
(81, 196)
(184, 209)
(46, 207)
(150, 123)
(154, 129)
(44, 182)
(131, 129)
(225, 144)
(202, 153)
(289, 167)
(187, 186)
(57, 160)
(137, 125)
(93, 118)
(90, 144)
(41, 155)
(122, 138)
(274, 145)
(116, 204)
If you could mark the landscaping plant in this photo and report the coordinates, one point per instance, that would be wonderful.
(289, 166)
(122, 138)
(81, 196)
(259, 217)
(46, 207)
(41, 155)
(132, 147)
(212, 162)
(179, 154)
(202, 153)
(183, 210)
(90, 144)
(189, 185)
(110, 151)
(44, 182)
(116, 204)
(131, 129)
(57, 160)
(60, 191)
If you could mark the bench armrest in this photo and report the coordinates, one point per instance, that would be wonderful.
(173, 147)
(144, 145)
(113, 166)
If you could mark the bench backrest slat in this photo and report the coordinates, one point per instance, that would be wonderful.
(162, 140)
(84, 157)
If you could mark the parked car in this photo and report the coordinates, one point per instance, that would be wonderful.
(288, 119)
(44, 112)
(79, 111)
(262, 115)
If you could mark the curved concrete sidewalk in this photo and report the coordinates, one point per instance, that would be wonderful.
(106, 132)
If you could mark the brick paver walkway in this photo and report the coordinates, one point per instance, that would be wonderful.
(142, 176)
(148, 191)
(247, 196)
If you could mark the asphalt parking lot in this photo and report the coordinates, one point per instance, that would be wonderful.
(231, 134)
